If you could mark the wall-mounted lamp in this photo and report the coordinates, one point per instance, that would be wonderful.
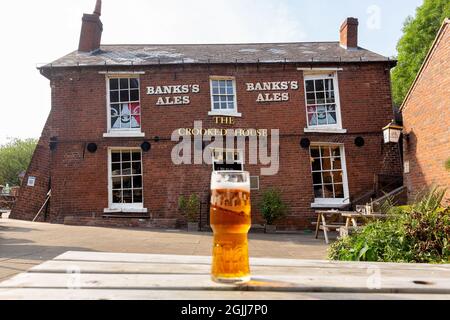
(392, 132)
(146, 146)
(359, 141)
(305, 143)
(92, 147)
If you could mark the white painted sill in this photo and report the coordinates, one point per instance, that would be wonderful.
(224, 114)
(324, 130)
(319, 205)
(124, 134)
(125, 210)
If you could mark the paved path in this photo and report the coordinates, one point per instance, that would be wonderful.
(26, 244)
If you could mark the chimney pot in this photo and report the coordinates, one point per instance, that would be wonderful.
(98, 8)
(349, 33)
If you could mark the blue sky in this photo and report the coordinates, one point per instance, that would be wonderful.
(49, 29)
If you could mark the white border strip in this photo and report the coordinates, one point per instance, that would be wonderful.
(320, 69)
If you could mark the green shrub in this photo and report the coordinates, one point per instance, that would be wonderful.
(272, 206)
(189, 206)
(447, 165)
(416, 233)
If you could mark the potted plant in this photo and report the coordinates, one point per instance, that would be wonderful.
(272, 208)
(190, 207)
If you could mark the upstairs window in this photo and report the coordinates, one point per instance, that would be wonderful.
(322, 101)
(223, 96)
(124, 104)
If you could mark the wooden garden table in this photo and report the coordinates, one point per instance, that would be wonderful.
(326, 221)
(352, 217)
(93, 275)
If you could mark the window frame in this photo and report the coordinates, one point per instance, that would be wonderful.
(223, 112)
(327, 127)
(257, 178)
(121, 132)
(123, 207)
(224, 150)
(331, 202)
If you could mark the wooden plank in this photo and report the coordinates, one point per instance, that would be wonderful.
(101, 294)
(180, 259)
(58, 266)
(281, 283)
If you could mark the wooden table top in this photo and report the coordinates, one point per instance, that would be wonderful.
(357, 215)
(351, 214)
(93, 275)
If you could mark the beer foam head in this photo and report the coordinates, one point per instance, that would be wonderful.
(238, 180)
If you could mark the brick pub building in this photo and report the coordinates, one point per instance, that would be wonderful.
(105, 151)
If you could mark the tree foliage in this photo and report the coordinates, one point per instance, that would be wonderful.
(15, 156)
(418, 36)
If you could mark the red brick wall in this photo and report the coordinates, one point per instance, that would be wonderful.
(78, 116)
(426, 116)
(31, 199)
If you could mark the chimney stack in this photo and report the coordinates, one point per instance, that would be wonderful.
(91, 30)
(349, 33)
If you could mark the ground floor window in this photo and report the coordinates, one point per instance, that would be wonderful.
(224, 159)
(126, 186)
(329, 174)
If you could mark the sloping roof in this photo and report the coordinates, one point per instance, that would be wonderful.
(125, 55)
(428, 57)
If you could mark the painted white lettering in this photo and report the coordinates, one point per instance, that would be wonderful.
(150, 90)
(195, 88)
(250, 86)
(276, 86)
(158, 90)
(294, 85)
(260, 98)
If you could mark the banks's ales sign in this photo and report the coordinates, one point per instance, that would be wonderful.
(173, 95)
(277, 91)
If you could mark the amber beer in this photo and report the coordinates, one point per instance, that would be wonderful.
(230, 221)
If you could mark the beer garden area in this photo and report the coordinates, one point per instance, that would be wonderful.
(96, 275)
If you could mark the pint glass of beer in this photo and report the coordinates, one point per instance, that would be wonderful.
(230, 221)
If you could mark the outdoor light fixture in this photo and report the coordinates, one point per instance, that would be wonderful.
(305, 143)
(392, 132)
(359, 141)
(92, 147)
(146, 146)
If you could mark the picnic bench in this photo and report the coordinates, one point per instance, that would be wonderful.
(327, 220)
(94, 275)
(331, 220)
(7, 201)
(351, 221)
